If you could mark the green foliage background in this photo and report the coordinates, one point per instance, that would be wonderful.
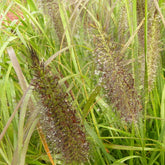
(68, 36)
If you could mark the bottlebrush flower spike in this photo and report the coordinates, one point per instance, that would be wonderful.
(153, 46)
(123, 32)
(140, 8)
(60, 123)
(51, 10)
(117, 80)
(153, 40)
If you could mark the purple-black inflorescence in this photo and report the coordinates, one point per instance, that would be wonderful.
(59, 121)
(117, 80)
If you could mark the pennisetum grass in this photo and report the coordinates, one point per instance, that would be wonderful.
(96, 70)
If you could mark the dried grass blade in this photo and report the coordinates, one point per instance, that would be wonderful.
(56, 54)
(17, 68)
(45, 143)
(160, 13)
(132, 37)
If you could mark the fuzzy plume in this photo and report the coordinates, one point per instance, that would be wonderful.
(153, 46)
(117, 80)
(140, 16)
(51, 9)
(153, 40)
(141, 33)
(123, 31)
(59, 121)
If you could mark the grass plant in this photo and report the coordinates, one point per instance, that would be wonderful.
(82, 82)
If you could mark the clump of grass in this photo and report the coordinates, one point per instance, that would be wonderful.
(113, 142)
(59, 119)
